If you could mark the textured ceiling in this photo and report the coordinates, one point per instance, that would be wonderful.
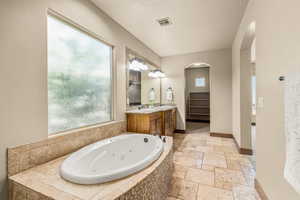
(198, 25)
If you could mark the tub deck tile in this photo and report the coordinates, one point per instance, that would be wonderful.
(44, 182)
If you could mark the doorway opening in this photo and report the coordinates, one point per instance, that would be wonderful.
(197, 98)
(248, 91)
(253, 101)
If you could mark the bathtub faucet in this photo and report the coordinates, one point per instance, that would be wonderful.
(161, 137)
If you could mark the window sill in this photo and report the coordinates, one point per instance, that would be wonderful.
(71, 131)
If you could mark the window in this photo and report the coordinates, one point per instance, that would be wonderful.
(200, 82)
(79, 78)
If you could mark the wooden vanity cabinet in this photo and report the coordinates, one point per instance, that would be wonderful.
(156, 123)
(169, 122)
(145, 123)
(162, 123)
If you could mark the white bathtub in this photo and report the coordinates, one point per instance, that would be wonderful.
(111, 159)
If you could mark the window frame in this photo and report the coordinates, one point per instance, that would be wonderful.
(113, 86)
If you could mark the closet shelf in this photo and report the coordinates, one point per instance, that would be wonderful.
(198, 106)
(201, 114)
(199, 99)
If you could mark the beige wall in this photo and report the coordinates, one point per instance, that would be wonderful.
(23, 66)
(245, 98)
(278, 39)
(236, 72)
(220, 77)
(277, 54)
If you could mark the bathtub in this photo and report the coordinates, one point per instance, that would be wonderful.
(111, 159)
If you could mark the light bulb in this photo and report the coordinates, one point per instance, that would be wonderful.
(138, 65)
(162, 75)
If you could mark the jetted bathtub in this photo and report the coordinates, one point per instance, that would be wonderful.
(111, 159)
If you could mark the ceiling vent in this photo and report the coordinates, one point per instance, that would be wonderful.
(164, 21)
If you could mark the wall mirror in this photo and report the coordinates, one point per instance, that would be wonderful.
(143, 81)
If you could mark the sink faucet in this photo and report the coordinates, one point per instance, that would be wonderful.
(142, 107)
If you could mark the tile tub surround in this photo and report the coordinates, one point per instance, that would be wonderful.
(43, 182)
(210, 168)
(24, 157)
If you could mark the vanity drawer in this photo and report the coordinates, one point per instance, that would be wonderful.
(155, 116)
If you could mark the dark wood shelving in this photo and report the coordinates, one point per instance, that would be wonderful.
(201, 114)
(199, 99)
(198, 106)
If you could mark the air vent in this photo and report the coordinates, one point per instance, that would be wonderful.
(164, 21)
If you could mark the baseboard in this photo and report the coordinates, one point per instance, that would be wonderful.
(222, 135)
(198, 120)
(228, 135)
(246, 151)
(243, 151)
(179, 131)
(260, 191)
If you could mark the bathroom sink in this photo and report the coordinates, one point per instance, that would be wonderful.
(151, 110)
(144, 110)
(166, 107)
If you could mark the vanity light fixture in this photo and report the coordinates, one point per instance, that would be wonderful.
(137, 65)
(156, 74)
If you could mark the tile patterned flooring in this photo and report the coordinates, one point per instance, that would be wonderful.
(210, 168)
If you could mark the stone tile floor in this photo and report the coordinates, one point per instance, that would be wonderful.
(210, 168)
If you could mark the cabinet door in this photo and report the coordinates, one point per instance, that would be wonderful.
(153, 128)
(168, 123)
(142, 124)
(131, 123)
(173, 120)
(156, 123)
(159, 125)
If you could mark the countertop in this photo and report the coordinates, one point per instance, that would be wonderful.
(150, 110)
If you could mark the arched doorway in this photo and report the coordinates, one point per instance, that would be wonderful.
(197, 97)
